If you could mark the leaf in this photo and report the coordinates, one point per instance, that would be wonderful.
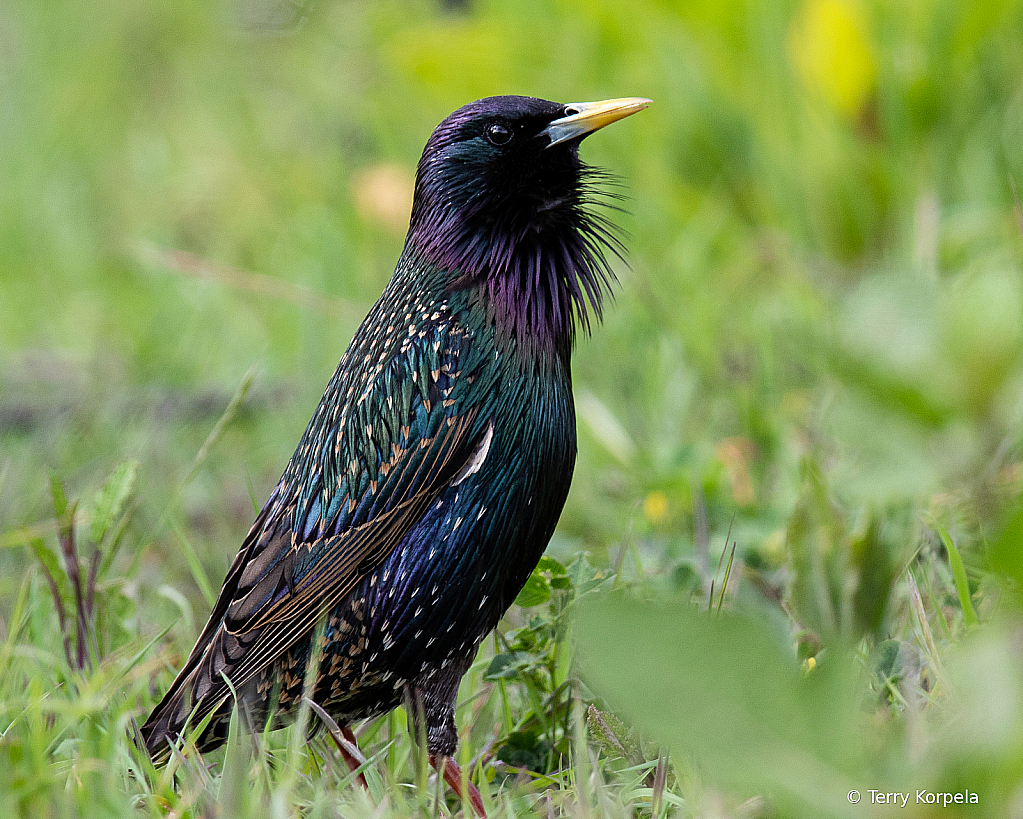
(536, 591)
(199, 575)
(959, 575)
(107, 505)
(59, 498)
(610, 732)
(725, 689)
(549, 574)
(843, 569)
(551, 565)
(508, 665)
(561, 582)
(1006, 554)
(51, 566)
(236, 790)
(584, 577)
(55, 578)
(524, 749)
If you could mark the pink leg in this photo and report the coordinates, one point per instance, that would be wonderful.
(452, 774)
(351, 760)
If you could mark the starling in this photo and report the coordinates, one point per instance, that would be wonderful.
(433, 472)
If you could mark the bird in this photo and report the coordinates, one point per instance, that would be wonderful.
(432, 473)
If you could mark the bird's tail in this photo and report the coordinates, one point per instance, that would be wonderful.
(202, 687)
(176, 716)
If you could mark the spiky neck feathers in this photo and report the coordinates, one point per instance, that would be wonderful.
(502, 214)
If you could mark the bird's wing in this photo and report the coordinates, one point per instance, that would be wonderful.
(353, 491)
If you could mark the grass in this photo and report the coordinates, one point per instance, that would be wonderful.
(800, 470)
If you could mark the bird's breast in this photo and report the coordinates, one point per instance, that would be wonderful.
(454, 575)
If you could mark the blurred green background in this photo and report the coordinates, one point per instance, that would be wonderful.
(815, 353)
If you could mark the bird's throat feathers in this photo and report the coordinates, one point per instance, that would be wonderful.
(538, 278)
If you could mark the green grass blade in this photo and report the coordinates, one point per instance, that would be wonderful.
(202, 580)
(959, 575)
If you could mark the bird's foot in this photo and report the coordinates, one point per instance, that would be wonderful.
(452, 774)
(348, 745)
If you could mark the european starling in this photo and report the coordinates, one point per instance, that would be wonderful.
(432, 474)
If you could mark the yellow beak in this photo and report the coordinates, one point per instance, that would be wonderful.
(586, 117)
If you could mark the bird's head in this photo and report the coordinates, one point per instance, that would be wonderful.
(504, 206)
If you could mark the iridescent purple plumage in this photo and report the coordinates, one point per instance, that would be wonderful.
(520, 226)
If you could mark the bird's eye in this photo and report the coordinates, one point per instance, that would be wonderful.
(498, 134)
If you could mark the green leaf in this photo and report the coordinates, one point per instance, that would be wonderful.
(725, 689)
(886, 655)
(561, 582)
(236, 791)
(549, 574)
(50, 564)
(508, 665)
(107, 505)
(843, 568)
(959, 575)
(202, 580)
(580, 571)
(584, 577)
(524, 749)
(610, 732)
(536, 591)
(551, 566)
(59, 498)
(1006, 554)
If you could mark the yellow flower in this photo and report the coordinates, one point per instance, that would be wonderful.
(655, 506)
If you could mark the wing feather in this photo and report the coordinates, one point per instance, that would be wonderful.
(345, 502)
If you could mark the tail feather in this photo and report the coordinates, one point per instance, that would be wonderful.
(197, 690)
(175, 716)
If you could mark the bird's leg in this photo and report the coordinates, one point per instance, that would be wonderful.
(452, 774)
(439, 713)
(346, 744)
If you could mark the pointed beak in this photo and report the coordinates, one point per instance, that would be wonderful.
(586, 117)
